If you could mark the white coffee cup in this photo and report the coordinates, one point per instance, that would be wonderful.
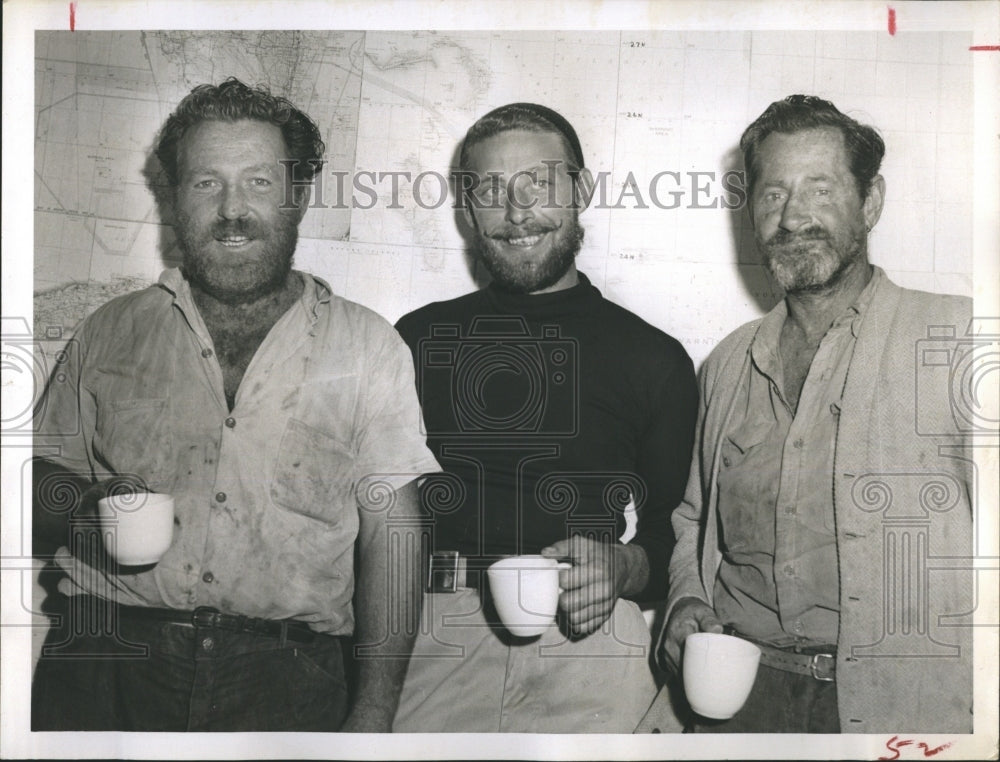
(719, 672)
(525, 591)
(138, 526)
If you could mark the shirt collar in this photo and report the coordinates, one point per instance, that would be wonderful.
(315, 292)
(856, 312)
(578, 298)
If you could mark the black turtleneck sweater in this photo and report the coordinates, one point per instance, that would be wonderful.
(547, 412)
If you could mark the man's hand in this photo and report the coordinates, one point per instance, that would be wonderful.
(689, 615)
(387, 599)
(601, 574)
(60, 497)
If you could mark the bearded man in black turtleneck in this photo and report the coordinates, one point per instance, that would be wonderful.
(553, 412)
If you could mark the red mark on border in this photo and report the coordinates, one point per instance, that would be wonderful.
(994, 48)
(892, 20)
(72, 17)
(896, 743)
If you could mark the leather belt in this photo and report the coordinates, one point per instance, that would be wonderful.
(819, 666)
(209, 617)
(817, 662)
(448, 571)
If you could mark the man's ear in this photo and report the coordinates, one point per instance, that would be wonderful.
(583, 188)
(470, 218)
(872, 207)
(302, 195)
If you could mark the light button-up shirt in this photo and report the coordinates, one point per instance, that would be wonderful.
(267, 494)
(778, 581)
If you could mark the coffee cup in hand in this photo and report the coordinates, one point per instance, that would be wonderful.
(525, 591)
(138, 526)
(719, 672)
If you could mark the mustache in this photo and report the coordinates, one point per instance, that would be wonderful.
(521, 231)
(240, 227)
(787, 238)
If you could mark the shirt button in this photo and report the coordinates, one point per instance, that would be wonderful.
(835, 408)
(231, 423)
(206, 352)
(797, 626)
(797, 444)
(727, 461)
(220, 497)
(207, 644)
(790, 510)
(208, 576)
(789, 570)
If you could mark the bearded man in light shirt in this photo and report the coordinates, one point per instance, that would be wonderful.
(282, 419)
(814, 497)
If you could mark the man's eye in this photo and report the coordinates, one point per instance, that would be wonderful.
(204, 184)
(822, 191)
(488, 196)
(261, 182)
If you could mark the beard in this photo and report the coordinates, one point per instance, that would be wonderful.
(811, 260)
(528, 275)
(237, 278)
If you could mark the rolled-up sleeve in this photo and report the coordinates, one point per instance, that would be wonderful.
(393, 445)
(65, 415)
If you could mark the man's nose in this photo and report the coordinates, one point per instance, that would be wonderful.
(233, 205)
(520, 205)
(795, 213)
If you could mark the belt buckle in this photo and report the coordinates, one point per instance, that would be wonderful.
(442, 576)
(205, 616)
(814, 667)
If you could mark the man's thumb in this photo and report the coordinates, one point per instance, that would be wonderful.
(709, 622)
(558, 549)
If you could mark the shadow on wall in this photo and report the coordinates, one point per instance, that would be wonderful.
(158, 185)
(763, 291)
(476, 270)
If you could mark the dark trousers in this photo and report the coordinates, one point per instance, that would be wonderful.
(781, 702)
(117, 673)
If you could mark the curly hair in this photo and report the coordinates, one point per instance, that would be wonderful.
(865, 147)
(231, 101)
(522, 116)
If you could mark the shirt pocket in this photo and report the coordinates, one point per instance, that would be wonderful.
(135, 437)
(745, 482)
(313, 474)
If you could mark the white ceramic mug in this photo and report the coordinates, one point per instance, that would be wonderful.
(719, 672)
(138, 526)
(525, 591)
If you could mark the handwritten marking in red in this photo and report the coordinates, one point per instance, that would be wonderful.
(892, 20)
(72, 17)
(895, 743)
(985, 47)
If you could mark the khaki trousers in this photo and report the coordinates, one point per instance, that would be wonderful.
(468, 674)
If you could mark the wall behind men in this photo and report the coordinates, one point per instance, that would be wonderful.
(659, 115)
